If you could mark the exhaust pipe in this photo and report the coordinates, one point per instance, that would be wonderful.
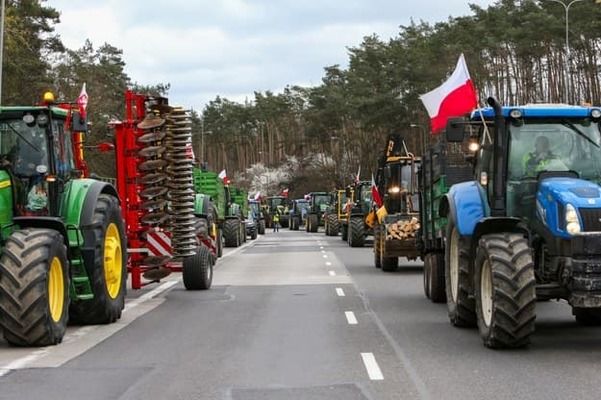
(500, 146)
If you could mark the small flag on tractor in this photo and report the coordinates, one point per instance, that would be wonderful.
(285, 192)
(258, 196)
(223, 175)
(82, 102)
(375, 193)
(454, 98)
(358, 176)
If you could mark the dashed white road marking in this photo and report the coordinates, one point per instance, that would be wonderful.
(323, 251)
(332, 273)
(325, 256)
(350, 317)
(329, 264)
(372, 367)
(340, 292)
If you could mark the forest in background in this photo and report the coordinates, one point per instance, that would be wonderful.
(317, 137)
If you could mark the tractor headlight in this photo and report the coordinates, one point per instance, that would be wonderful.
(572, 221)
(394, 190)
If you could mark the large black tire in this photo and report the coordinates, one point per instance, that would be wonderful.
(389, 264)
(344, 232)
(285, 222)
(231, 233)
(296, 224)
(356, 234)
(460, 301)
(261, 227)
(377, 255)
(587, 316)
(106, 267)
(197, 270)
(312, 223)
(254, 234)
(331, 225)
(426, 276)
(436, 281)
(243, 235)
(505, 290)
(26, 274)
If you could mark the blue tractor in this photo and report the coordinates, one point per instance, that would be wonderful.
(528, 227)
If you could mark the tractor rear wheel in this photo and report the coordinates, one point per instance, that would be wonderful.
(261, 227)
(34, 288)
(460, 303)
(219, 240)
(587, 316)
(231, 232)
(356, 234)
(344, 232)
(436, 283)
(106, 268)
(505, 290)
(332, 226)
(197, 270)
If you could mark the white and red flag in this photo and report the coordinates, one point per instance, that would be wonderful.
(258, 196)
(82, 102)
(285, 192)
(454, 98)
(375, 193)
(223, 175)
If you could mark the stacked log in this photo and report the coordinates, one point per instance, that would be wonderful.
(402, 230)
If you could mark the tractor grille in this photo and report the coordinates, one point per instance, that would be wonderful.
(591, 219)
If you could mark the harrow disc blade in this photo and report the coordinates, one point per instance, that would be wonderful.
(152, 192)
(156, 274)
(152, 151)
(151, 137)
(153, 179)
(152, 165)
(151, 121)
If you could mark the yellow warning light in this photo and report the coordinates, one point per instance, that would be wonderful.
(48, 97)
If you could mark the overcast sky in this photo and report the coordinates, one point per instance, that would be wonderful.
(231, 48)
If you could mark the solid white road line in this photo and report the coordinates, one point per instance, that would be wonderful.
(332, 273)
(147, 296)
(350, 317)
(372, 367)
(340, 292)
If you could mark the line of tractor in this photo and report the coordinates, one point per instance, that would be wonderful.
(504, 210)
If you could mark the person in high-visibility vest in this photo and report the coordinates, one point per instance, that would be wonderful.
(537, 161)
(276, 221)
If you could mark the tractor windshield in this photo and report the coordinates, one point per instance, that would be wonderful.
(23, 146)
(322, 201)
(366, 198)
(556, 145)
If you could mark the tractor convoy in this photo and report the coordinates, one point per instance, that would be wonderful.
(504, 209)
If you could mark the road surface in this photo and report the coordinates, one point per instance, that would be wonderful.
(302, 316)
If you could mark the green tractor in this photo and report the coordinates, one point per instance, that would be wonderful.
(318, 204)
(354, 227)
(239, 206)
(276, 204)
(63, 254)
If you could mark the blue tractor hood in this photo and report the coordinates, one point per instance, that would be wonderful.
(555, 193)
(577, 192)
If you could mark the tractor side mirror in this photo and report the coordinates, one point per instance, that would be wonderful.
(455, 131)
(78, 123)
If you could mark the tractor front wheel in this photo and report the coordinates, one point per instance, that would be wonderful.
(197, 270)
(356, 234)
(505, 290)
(34, 288)
(106, 265)
(312, 223)
(261, 227)
(435, 274)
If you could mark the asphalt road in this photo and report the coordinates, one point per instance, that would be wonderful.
(302, 316)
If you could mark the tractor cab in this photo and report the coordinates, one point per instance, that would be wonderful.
(36, 157)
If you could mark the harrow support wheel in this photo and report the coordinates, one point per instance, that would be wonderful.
(197, 270)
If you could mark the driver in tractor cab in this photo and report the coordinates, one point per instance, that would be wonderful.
(537, 161)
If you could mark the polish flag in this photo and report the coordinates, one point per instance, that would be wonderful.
(82, 102)
(258, 196)
(222, 175)
(375, 194)
(285, 192)
(454, 98)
